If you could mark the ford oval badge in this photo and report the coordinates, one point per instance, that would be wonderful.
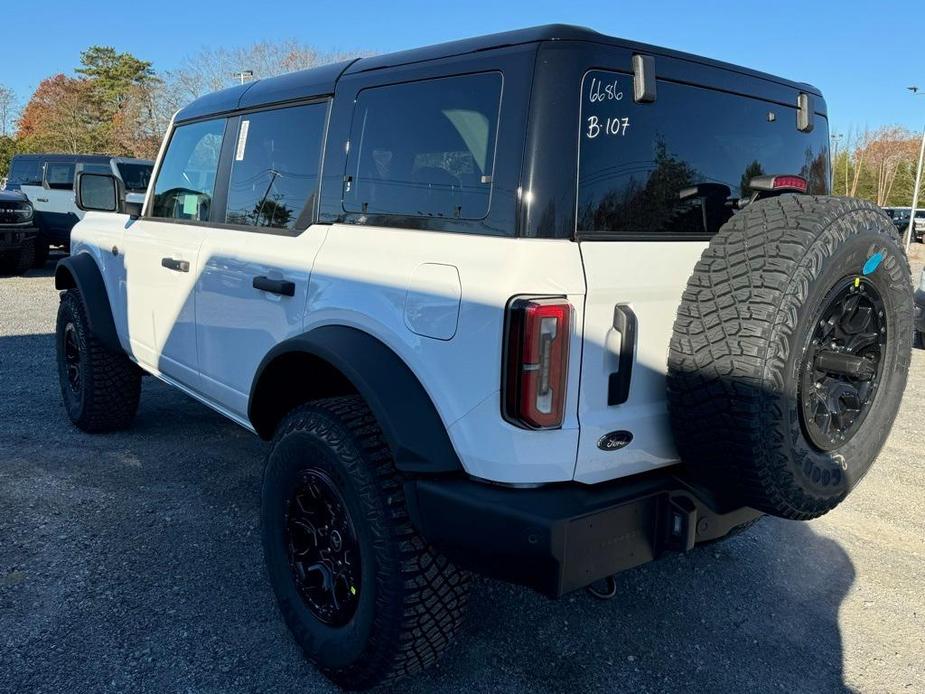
(615, 440)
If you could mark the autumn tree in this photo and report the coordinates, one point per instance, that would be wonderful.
(61, 116)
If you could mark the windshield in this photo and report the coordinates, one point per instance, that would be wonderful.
(135, 176)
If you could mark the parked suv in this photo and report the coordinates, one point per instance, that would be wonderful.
(48, 181)
(543, 305)
(900, 217)
(17, 233)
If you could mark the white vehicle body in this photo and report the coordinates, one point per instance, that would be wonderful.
(438, 300)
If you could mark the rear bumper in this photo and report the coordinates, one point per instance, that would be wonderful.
(12, 237)
(920, 310)
(559, 538)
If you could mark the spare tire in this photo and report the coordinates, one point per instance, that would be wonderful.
(790, 353)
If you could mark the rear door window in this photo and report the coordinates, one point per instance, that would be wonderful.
(677, 167)
(424, 149)
(274, 175)
(186, 181)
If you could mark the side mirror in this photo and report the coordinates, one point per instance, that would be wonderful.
(99, 192)
(134, 202)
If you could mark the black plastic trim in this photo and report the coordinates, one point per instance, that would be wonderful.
(81, 272)
(562, 537)
(409, 420)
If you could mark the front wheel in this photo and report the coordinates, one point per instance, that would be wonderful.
(364, 595)
(19, 261)
(100, 388)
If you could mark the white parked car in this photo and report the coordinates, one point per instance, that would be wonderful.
(47, 180)
(543, 305)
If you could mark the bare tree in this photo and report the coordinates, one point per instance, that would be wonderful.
(861, 142)
(8, 107)
(215, 68)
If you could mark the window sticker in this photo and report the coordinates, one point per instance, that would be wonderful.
(242, 140)
(190, 204)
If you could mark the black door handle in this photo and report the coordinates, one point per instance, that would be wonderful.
(284, 287)
(618, 387)
(175, 265)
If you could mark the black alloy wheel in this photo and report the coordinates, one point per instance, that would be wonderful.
(72, 358)
(842, 366)
(323, 551)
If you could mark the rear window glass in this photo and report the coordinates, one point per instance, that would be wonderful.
(25, 172)
(135, 176)
(678, 166)
(424, 148)
(274, 175)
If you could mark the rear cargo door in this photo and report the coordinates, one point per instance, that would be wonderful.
(656, 180)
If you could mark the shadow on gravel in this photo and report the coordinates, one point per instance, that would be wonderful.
(133, 560)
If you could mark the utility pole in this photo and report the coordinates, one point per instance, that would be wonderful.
(918, 180)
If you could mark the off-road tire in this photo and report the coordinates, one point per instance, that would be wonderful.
(106, 398)
(19, 261)
(745, 321)
(411, 599)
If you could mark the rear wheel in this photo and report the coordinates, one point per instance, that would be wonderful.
(790, 353)
(363, 594)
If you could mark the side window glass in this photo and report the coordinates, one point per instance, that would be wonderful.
(135, 176)
(274, 175)
(25, 172)
(424, 149)
(59, 175)
(186, 181)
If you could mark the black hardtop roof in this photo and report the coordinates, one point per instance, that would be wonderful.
(321, 81)
(66, 158)
(79, 158)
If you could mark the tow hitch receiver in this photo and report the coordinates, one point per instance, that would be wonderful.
(681, 528)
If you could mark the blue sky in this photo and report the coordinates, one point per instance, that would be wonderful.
(861, 54)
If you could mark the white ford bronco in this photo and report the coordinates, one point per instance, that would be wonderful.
(543, 305)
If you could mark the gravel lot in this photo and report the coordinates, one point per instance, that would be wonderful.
(132, 562)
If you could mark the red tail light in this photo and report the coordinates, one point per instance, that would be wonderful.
(536, 361)
(790, 183)
(778, 183)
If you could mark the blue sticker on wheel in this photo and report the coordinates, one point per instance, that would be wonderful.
(873, 262)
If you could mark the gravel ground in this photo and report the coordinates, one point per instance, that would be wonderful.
(132, 562)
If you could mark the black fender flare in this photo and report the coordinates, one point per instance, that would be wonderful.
(81, 272)
(409, 420)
